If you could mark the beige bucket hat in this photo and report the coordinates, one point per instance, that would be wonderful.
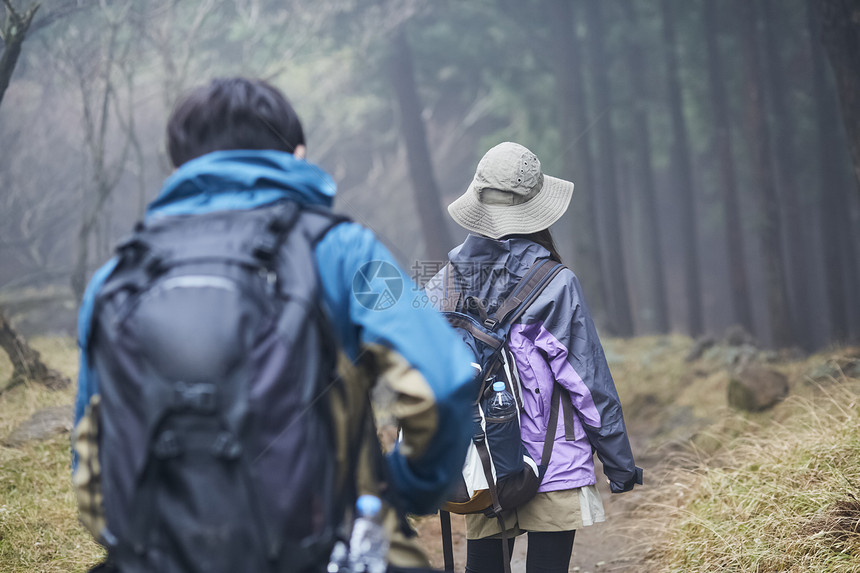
(510, 195)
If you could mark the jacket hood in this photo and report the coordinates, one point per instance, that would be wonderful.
(491, 268)
(516, 255)
(241, 179)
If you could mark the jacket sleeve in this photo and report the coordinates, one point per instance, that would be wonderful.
(377, 309)
(87, 380)
(569, 340)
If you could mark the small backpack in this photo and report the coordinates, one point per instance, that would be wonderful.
(212, 353)
(498, 474)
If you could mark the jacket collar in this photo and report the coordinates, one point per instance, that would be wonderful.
(516, 254)
(241, 179)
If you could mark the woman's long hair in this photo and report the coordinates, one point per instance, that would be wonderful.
(544, 239)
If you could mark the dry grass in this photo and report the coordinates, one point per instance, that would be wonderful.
(768, 492)
(39, 531)
(782, 497)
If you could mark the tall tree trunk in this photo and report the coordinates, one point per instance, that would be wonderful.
(576, 155)
(840, 34)
(831, 192)
(651, 262)
(88, 225)
(402, 75)
(795, 233)
(618, 301)
(684, 188)
(850, 247)
(770, 233)
(105, 177)
(722, 143)
(26, 362)
(14, 32)
(78, 279)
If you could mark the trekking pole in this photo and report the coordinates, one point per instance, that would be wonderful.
(447, 541)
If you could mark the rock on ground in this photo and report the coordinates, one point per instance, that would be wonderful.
(757, 388)
(42, 425)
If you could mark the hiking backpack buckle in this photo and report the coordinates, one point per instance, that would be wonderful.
(196, 397)
(226, 446)
(155, 265)
(266, 249)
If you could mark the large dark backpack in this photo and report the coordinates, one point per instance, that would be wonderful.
(212, 353)
(499, 474)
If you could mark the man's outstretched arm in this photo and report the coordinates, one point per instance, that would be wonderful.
(376, 309)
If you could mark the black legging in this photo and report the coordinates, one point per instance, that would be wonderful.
(549, 552)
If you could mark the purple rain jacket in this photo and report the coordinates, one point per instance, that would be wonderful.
(554, 341)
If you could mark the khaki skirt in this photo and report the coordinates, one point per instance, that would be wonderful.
(563, 510)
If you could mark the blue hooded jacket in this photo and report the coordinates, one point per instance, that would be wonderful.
(412, 333)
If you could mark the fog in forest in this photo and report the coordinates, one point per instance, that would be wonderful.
(706, 139)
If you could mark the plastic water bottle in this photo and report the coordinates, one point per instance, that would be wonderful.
(339, 561)
(502, 405)
(368, 546)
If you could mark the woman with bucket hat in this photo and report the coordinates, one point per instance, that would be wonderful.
(508, 209)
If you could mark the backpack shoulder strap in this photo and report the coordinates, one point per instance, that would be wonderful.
(317, 221)
(528, 289)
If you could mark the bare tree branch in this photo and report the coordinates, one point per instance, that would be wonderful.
(14, 30)
(58, 13)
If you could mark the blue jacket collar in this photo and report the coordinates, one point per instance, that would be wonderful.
(241, 179)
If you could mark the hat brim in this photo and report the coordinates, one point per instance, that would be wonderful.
(497, 221)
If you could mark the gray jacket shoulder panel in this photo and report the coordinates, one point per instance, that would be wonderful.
(563, 313)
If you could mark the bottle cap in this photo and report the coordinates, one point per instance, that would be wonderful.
(368, 505)
(498, 386)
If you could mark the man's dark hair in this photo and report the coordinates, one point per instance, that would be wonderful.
(232, 113)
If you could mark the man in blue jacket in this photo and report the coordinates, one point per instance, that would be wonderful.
(238, 145)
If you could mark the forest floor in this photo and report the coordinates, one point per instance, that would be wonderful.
(677, 418)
